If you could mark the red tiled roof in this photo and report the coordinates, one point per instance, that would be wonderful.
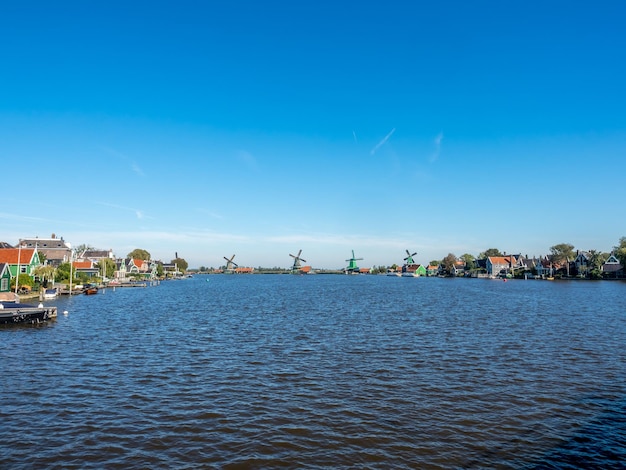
(82, 264)
(244, 270)
(15, 255)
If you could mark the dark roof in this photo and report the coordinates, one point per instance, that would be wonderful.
(611, 268)
(45, 243)
(96, 254)
(5, 245)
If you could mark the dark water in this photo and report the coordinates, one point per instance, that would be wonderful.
(323, 371)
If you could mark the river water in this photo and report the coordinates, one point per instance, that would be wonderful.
(326, 371)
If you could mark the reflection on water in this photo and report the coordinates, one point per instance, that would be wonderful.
(270, 371)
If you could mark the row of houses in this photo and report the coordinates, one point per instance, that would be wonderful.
(509, 265)
(32, 253)
(544, 266)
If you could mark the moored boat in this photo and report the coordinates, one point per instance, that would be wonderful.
(15, 312)
(49, 294)
(91, 290)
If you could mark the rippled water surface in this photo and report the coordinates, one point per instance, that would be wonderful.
(268, 371)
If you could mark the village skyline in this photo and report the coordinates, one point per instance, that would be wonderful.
(560, 253)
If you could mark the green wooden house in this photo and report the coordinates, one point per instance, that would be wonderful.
(414, 268)
(5, 278)
(20, 260)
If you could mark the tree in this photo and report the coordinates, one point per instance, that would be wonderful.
(23, 280)
(159, 269)
(596, 260)
(181, 264)
(562, 252)
(45, 273)
(620, 251)
(434, 263)
(470, 262)
(80, 249)
(108, 266)
(489, 252)
(138, 253)
(448, 262)
(63, 272)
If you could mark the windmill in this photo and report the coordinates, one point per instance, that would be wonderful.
(230, 264)
(296, 262)
(409, 257)
(352, 267)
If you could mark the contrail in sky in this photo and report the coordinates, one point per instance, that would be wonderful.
(382, 142)
(435, 154)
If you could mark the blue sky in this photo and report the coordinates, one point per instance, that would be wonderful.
(216, 128)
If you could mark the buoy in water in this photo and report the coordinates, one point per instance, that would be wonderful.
(65, 312)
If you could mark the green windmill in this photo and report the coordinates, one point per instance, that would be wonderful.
(409, 257)
(352, 267)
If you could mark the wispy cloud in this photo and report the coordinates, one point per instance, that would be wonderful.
(126, 159)
(214, 215)
(137, 170)
(138, 213)
(354, 135)
(18, 217)
(435, 155)
(382, 142)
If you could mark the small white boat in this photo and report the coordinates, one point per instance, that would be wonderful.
(410, 274)
(393, 273)
(50, 294)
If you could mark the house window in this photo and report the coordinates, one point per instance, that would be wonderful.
(4, 285)
(23, 269)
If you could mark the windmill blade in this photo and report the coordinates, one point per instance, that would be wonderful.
(292, 255)
(302, 260)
